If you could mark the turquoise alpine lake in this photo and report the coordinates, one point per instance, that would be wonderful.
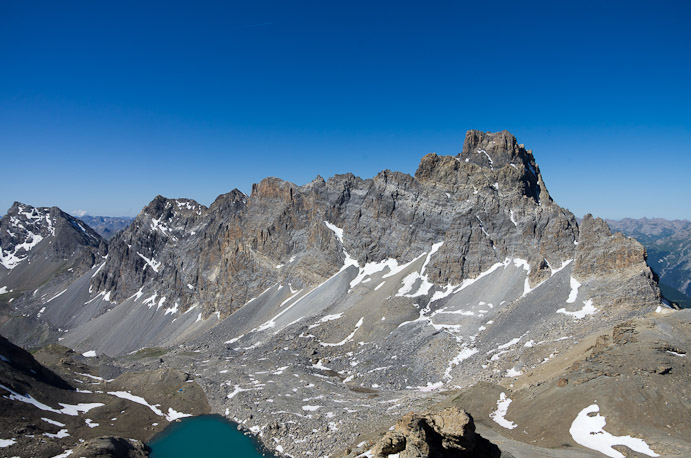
(208, 436)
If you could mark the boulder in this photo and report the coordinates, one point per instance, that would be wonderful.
(447, 433)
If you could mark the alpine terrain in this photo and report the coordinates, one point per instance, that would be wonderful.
(107, 226)
(668, 244)
(457, 312)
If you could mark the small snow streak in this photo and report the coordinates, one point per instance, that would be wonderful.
(491, 162)
(347, 339)
(150, 262)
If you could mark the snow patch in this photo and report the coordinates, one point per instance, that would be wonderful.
(513, 372)
(430, 387)
(311, 408)
(89, 354)
(588, 431)
(53, 422)
(7, 442)
(588, 309)
(464, 354)
(498, 415)
(170, 416)
(67, 409)
(574, 291)
(173, 310)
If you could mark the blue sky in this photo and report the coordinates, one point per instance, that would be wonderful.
(104, 105)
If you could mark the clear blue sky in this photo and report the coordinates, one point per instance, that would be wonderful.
(104, 104)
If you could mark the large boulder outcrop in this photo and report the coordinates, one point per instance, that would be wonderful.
(447, 433)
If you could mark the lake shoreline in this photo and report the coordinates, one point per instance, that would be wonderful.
(214, 432)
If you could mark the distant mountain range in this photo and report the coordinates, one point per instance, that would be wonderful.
(107, 226)
(668, 244)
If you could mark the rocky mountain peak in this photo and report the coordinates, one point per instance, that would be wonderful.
(162, 207)
(490, 162)
(37, 242)
(494, 149)
(24, 227)
(273, 188)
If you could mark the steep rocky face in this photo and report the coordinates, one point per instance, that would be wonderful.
(668, 245)
(37, 242)
(22, 361)
(484, 205)
(614, 264)
(156, 249)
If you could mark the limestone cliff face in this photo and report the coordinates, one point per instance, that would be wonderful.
(614, 264)
(486, 204)
(157, 248)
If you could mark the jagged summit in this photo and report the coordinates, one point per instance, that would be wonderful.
(495, 150)
(163, 207)
(24, 227)
(38, 242)
(494, 162)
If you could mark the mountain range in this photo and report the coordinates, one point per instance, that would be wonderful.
(319, 316)
(107, 226)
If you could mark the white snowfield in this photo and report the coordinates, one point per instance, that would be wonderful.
(498, 415)
(588, 431)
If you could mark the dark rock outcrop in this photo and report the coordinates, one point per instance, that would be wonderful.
(22, 361)
(448, 433)
(112, 447)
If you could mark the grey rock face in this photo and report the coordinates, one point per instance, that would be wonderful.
(485, 205)
(615, 263)
(35, 243)
(668, 245)
(155, 248)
